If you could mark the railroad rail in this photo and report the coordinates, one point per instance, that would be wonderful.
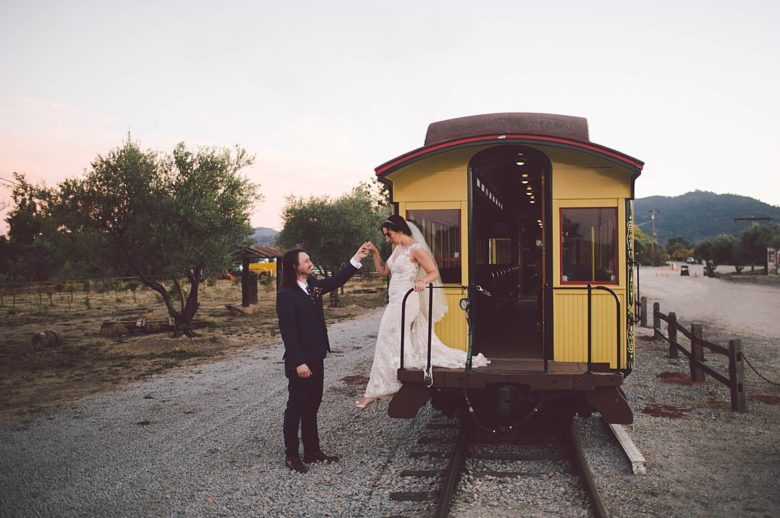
(545, 454)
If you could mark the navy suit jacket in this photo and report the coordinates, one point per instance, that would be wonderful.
(302, 321)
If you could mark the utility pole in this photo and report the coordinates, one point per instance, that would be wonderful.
(652, 219)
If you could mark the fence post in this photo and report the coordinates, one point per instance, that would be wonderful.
(643, 311)
(737, 376)
(656, 320)
(697, 354)
(671, 330)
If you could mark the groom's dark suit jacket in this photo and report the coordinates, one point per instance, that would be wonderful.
(302, 321)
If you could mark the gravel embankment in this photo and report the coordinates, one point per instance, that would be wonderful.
(206, 441)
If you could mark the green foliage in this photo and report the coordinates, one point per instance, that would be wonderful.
(749, 247)
(267, 282)
(754, 241)
(31, 251)
(679, 249)
(647, 251)
(168, 216)
(721, 249)
(331, 229)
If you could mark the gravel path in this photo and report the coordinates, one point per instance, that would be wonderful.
(206, 440)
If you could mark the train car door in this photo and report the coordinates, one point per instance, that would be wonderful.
(508, 264)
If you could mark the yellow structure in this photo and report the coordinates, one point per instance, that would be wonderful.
(524, 212)
(263, 268)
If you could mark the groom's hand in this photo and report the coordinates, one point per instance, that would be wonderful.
(362, 252)
(303, 371)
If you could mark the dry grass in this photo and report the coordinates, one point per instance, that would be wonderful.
(39, 376)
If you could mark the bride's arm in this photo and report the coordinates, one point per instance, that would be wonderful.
(381, 267)
(428, 265)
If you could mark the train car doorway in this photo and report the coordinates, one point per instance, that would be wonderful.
(508, 266)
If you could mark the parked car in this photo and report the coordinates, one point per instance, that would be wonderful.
(690, 260)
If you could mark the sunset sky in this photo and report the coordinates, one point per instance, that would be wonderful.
(323, 92)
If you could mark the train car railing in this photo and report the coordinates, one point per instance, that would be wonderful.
(548, 336)
(428, 377)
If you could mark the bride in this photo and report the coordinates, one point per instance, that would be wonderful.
(412, 266)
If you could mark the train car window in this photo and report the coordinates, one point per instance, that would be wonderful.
(589, 245)
(441, 228)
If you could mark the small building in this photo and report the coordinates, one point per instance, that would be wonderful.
(252, 255)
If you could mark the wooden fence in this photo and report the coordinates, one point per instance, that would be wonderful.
(736, 375)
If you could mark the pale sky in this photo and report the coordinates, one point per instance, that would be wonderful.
(323, 92)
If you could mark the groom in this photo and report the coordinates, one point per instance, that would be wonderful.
(302, 326)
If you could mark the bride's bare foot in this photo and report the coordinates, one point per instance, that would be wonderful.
(365, 401)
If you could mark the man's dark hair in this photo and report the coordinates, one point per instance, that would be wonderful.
(290, 267)
(396, 223)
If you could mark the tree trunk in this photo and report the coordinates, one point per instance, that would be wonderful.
(182, 320)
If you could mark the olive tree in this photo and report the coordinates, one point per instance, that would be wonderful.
(166, 216)
(331, 229)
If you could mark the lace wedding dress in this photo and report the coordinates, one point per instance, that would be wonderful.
(387, 356)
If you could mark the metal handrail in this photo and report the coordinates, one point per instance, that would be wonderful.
(590, 289)
(430, 288)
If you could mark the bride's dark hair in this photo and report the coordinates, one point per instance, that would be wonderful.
(396, 223)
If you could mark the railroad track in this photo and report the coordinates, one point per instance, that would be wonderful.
(458, 470)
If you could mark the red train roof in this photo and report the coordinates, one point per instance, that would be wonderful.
(508, 128)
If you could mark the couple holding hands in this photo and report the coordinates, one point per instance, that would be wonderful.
(302, 326)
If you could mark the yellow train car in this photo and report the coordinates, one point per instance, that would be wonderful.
(531, 225)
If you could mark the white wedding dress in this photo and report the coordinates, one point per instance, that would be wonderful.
(387, 355)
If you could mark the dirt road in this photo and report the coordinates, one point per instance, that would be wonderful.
(739, 308)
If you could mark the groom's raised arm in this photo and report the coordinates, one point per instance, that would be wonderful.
(329, 284)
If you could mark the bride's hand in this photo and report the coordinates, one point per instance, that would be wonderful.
(419, 286)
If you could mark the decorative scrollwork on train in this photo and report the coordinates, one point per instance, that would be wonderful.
(630, 295)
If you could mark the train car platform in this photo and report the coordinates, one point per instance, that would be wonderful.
(523, 371)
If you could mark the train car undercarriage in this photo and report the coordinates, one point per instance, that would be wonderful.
(509, 389)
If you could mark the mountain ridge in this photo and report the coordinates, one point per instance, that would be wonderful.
(699, 215)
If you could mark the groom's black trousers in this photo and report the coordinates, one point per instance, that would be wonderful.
(305, 396)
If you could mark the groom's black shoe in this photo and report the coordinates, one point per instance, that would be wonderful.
(319, 456)
(295, 464)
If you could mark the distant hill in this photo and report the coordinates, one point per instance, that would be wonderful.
(264, 236)
(699, 215)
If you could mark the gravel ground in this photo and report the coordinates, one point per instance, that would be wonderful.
(709, 461)
(206, 441)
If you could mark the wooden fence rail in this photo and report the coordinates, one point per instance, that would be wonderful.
(735, 379)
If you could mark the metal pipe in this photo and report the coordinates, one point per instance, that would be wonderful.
(430, 323)
(617, 320)
(590, 328)
(548, 292)
(403, 325)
